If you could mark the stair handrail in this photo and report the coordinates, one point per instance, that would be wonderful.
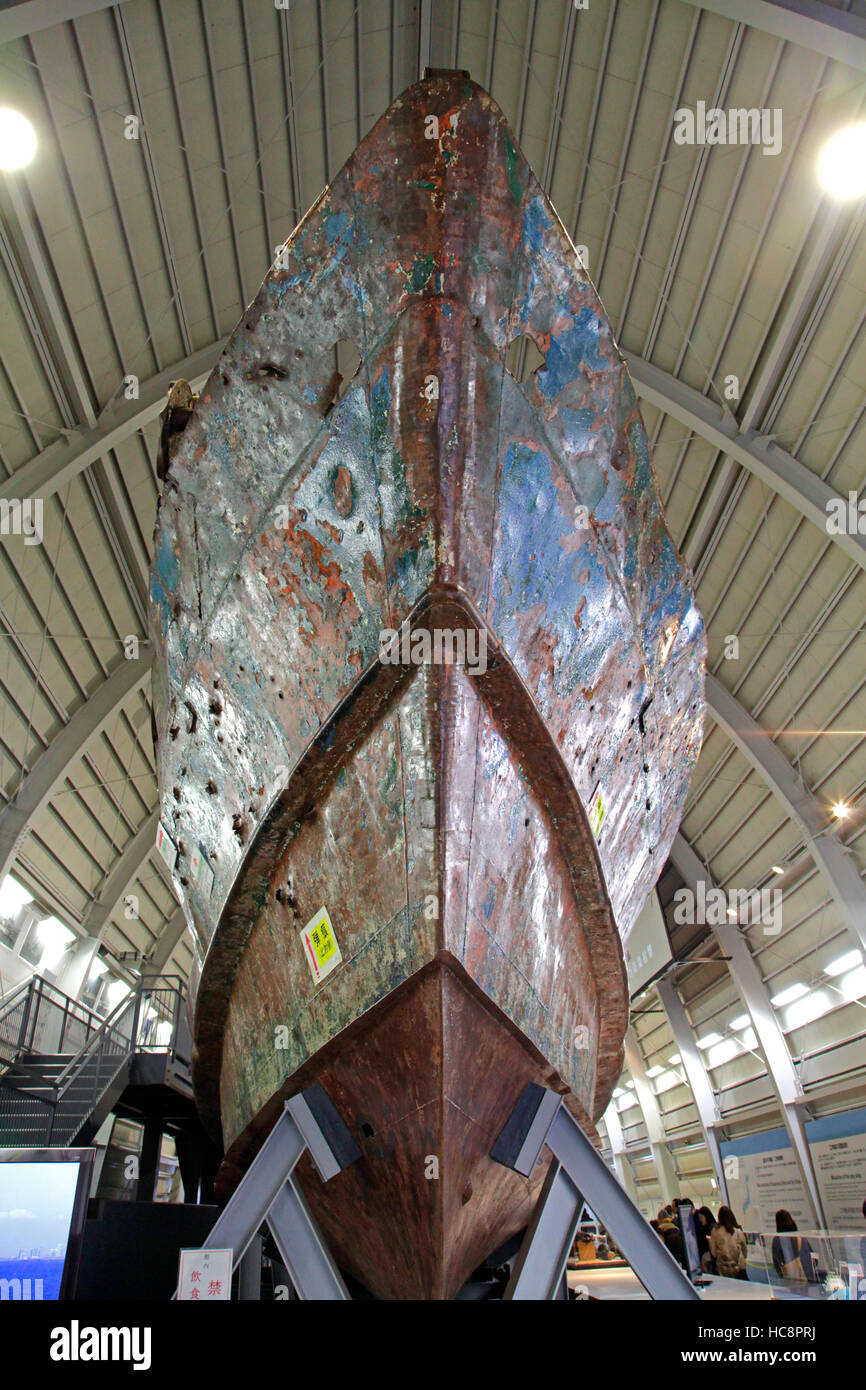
(81, 1058)
(23, 993)
(110, 1025)
(113, 1043)
(39, 984)
(9, 1000)
(34, 994)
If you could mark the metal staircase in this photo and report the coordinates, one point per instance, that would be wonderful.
(63, 1068)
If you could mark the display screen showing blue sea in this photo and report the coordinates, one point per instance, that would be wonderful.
(36, 1202)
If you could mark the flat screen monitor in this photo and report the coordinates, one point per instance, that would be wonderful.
(691, 1254)
(43, 1206)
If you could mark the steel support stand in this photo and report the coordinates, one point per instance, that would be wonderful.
(577, 1174)
(268, 1193)
(250, 1272)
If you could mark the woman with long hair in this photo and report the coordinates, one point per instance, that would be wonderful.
(792, 1254)
(727, 1244)
(704, 1223)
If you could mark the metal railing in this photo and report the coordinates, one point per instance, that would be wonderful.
(38, 1017)
(163, 999)
(146, 1021)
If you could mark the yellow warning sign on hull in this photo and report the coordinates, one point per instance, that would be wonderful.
(319, 945)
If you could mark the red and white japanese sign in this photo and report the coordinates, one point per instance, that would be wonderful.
(205, 1276)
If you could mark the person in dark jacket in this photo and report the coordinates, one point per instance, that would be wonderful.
(704, 1223)
(668, 1231)
(792, 1254)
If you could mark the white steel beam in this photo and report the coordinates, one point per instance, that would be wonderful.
(123, 871)
(425, 35)
(702, 1092)
(29, 16)
(62, 754)
(799, 486)
(652, 1117)
(802, 806)
(808, 23)
(169, 937)
(746, 976)
(621, 1160)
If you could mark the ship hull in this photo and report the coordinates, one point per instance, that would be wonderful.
(425, 1204)
(478, 953)
(482, 833)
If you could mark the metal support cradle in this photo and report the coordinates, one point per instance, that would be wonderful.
(577, 1174)
(269, 1193)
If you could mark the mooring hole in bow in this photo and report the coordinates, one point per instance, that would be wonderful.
(523, 357)
(347, 361)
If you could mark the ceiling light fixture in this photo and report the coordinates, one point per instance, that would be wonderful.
(17, 140)
(809, 1008)
(853, 985)
(849, 961)
(842, 163)
(840, 810)
(787, 996)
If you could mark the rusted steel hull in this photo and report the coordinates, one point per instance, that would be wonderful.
(425, 1204)
(438, 811)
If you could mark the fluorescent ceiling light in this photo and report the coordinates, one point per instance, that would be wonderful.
(630, 1085)
(722, 1052)
(807, 1009)
(749, 1039)
(787, 996)
(655, 1071)
(853, 985)
(675, 1060)
(740, 1022)
(627, 1101)
(777, 869)
(849, 961)
(666, 1081)
(12, 897)
(840, 810)
(618, 1092)
(709, 1040)
(17, 140)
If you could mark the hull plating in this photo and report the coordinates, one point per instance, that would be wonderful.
(439, 813)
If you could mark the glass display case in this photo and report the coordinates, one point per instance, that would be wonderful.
(809, 1263)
